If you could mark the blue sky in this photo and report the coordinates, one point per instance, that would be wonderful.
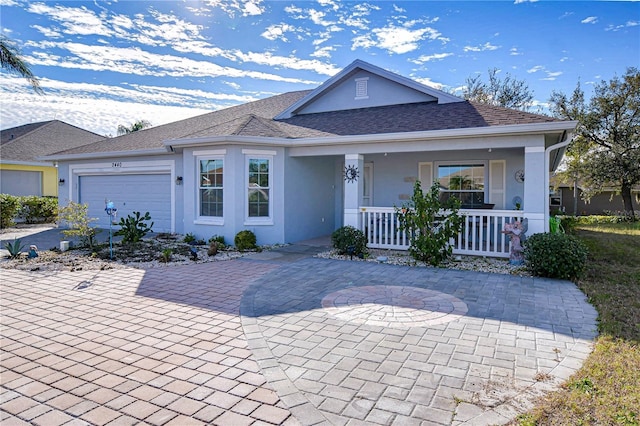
(106, 63)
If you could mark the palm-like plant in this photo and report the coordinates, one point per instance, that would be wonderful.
(134, 127)
(11, 60)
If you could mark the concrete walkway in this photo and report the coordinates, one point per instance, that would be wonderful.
(284, 338)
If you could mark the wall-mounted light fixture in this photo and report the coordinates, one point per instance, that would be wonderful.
(179, 180)
(60, 181)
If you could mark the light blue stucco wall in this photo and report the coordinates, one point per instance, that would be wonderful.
(394, 174)
(234, 209)
(310, 194)
(380, 92)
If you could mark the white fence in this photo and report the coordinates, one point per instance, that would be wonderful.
(481, 233)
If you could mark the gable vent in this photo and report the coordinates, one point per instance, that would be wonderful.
(362, 91)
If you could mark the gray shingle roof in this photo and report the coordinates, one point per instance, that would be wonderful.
(410, 118)
(257, 119)
(218, 123)
(28, 142)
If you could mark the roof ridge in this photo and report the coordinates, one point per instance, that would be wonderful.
(512, 110)
(42, 124)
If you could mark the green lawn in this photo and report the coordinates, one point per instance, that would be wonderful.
(606, 391)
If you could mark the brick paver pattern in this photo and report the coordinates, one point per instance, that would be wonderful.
(293, 341)
(125, 346)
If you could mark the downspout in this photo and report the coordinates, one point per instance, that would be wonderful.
(564, 141)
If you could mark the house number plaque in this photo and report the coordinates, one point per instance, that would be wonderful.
(116, 164)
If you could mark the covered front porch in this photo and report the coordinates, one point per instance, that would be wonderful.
(490, 182)
(481, 233)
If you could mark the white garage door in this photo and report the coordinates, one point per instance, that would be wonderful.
(129, 193)
(20, 182)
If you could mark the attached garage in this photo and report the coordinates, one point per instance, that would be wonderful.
(129, 192)
(20, 182)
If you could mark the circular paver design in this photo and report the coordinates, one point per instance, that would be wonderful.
(394, 306)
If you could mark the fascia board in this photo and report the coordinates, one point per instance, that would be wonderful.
(27, 163)
(105, 154)
(216, 140)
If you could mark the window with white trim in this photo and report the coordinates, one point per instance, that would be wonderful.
(211, 187)
(259, 181)
(466, 182)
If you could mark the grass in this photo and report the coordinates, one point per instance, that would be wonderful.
(606, 390)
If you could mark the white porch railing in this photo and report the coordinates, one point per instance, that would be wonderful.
(480, 235)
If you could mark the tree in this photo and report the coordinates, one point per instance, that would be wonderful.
(138, 125)
(11, 60)
(607, 139)
(508, 92)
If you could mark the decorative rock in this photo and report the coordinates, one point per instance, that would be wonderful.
(382, 259)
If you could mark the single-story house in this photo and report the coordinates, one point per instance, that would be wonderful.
(568, 199)
(301, 164)
(21, 170)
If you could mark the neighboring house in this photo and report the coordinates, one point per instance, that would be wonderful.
(563, 199)
(301, 164)
(21, 170)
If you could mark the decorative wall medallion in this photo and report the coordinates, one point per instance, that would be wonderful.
(519, 175)
(351, 173)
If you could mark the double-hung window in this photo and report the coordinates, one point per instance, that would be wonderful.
(259, 190)
(211, 187)
(464, 181)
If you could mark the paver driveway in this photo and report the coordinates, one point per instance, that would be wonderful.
(318, 342)
(164, 346)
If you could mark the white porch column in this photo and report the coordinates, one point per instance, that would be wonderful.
(353, 188)
(534, 190)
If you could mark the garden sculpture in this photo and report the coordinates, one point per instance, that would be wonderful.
(515, 231)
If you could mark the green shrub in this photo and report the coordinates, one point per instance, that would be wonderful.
(134, 228)
(568, 223)
(38, 209)
(189, 238)
(245, 240)
(555, 256)
(430, 223)
(219, 240)
(349, 240)
(76, 217)
(9, 207)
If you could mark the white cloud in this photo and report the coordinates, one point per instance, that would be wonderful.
(288, 62)
(98, 114)
(243, 7)
(48, 32)
(323, 52)
(550, 75)
(589, 20)
(515, 52)
(9, 3)
(524, 1)
(481, 48)
(435, 57)
(136, 61)
(395, 39)
(428, 82)
(278, 31)
(625, 25)
(74, 20)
